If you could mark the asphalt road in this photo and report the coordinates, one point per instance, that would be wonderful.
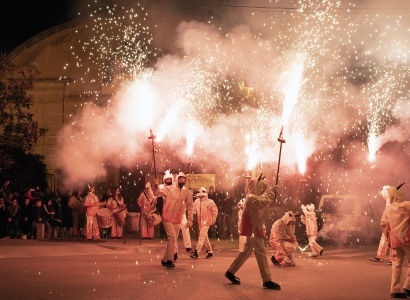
(126, 269)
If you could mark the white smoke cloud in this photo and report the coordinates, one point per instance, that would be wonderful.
(198, 80)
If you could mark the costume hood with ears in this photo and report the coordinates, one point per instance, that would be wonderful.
(310, 207)
(202, 192)
(181, 174)
(288, 217)
(168, 175)
(241, 203)
(389, 192)
(257, 185)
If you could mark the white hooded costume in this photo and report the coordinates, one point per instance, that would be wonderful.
(283, 240)
(176, 201)
(309, 219)
(206, 212)
(395, 224)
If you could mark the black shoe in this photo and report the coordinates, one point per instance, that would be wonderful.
(209, 255)
(175, 256)
(170, 264)
(194, 255)
(163, 263)
(274, 261)
(376, 259)
(321, 252)
(398, 295)
(407, 292)
(232, 278)
(271, 285)
(188, 249)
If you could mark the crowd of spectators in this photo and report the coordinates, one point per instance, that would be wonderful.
(21, 212)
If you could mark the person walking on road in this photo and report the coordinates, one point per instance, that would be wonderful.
(309, 219)
(206, 212)
(252, 226)
(395, 225)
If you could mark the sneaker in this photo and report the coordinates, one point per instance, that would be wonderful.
(232, 278)
(398, 295)
(194, 255)
(376, 259)
(170, 264)
(274, 261)
(188, 249)
(209, 255)
(388, 262)
(6, 237)
(313, 255)
(271, 285)
(163, 263)
(175, 256)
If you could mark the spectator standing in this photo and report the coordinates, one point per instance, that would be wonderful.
(53, 218)
(38, 215)
(25, 213)
(13, 217)
(5, 191)
(75, 202)
(4, 229)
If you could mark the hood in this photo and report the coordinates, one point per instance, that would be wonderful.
(389, 192)
(168, 175)
(288, 217)
(257, 186)
(202, 192)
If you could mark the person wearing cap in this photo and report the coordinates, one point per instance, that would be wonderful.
(309, 219)
(283, 240)
(206, 212)
(395, 225)
(177, 199)
(253, 227)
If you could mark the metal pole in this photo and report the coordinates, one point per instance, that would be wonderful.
(281, 140)
(152, 138)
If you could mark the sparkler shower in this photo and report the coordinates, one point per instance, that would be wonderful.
(214, 78)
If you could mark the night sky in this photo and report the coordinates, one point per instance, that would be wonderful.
(23, 19)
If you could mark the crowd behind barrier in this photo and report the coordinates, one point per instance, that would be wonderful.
(55, 215)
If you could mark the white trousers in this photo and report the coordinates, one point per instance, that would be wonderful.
(203, 239)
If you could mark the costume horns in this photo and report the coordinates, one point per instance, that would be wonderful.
(399, 186)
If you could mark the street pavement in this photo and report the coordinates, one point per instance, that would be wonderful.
(130, 269)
